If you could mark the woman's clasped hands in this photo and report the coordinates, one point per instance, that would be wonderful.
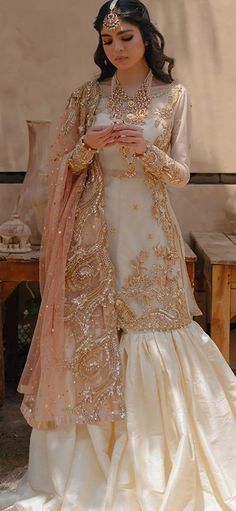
(99, 137)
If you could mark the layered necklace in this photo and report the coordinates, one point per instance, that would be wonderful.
(130, 110)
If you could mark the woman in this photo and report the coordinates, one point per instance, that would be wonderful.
(144, 424)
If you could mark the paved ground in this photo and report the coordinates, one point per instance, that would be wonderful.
(14, 440)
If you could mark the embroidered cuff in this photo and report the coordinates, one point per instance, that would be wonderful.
(158, 163)
(81, 157)
(153, 158)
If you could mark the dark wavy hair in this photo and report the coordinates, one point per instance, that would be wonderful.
(134, 12)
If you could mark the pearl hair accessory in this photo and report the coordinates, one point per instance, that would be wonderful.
(111, 20)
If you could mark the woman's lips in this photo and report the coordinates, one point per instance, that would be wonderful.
(120, 59)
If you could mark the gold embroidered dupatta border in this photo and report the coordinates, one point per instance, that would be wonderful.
(73, 370)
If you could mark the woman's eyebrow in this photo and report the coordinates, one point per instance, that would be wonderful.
(118, 33)
(124, 31)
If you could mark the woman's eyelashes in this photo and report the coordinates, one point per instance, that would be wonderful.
(123, 39)
(128, 38)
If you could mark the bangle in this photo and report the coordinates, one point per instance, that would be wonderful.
(87, 146)
(148, 147)
(81, 156)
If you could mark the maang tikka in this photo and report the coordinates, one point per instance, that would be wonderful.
(111, 20)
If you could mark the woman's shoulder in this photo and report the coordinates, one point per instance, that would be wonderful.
(170, 98)
(178, 94)
(181, 88)
(182, 95)
(84, 87)
(83, 93)
(180, 98)
(173, 88)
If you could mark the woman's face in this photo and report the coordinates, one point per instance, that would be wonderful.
(124, 47)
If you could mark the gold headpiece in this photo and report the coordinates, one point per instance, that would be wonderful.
(111, 20)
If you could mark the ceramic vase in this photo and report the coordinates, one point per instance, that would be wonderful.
(33, 196)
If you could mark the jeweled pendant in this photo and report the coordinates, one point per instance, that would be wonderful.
(111, 21)
(131, 117)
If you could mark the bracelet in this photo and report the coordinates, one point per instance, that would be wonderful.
(145, 153)
(140, 156)
(81, 157)
(87, 146)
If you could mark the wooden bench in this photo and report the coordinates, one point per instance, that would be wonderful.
(216, 253)
(17, 268)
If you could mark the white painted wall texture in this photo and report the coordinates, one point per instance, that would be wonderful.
(46, 50)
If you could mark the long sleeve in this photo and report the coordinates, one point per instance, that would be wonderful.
(81, 157)
(78, 154)
(173, 168)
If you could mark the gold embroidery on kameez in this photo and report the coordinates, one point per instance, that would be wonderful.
(155, 157)
(88, 305)
(159, 288)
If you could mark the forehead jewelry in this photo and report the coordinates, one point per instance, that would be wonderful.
(111, 20)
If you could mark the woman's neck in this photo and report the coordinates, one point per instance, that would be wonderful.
(132, 78)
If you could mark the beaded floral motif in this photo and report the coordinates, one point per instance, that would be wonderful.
(72, 111)
(157, 290)
(165, 113)
(157, 163)
(162, 166)
(89, 309)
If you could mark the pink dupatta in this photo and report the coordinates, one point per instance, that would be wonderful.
(73, 370)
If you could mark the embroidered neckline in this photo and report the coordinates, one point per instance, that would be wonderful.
(155, 92)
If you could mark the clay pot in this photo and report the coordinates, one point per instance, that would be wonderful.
(33, 197)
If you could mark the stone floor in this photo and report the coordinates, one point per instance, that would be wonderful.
(14, 440)
(15, 433)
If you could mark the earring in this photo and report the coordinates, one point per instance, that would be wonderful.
(146, 43)
(105, 62)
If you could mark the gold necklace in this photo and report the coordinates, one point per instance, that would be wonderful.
(130, 110)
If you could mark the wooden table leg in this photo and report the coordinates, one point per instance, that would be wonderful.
(191, 272)
(6, 288)
(2, 375)
(10, 331)
(220, 308)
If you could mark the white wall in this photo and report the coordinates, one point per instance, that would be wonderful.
(46, 50)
